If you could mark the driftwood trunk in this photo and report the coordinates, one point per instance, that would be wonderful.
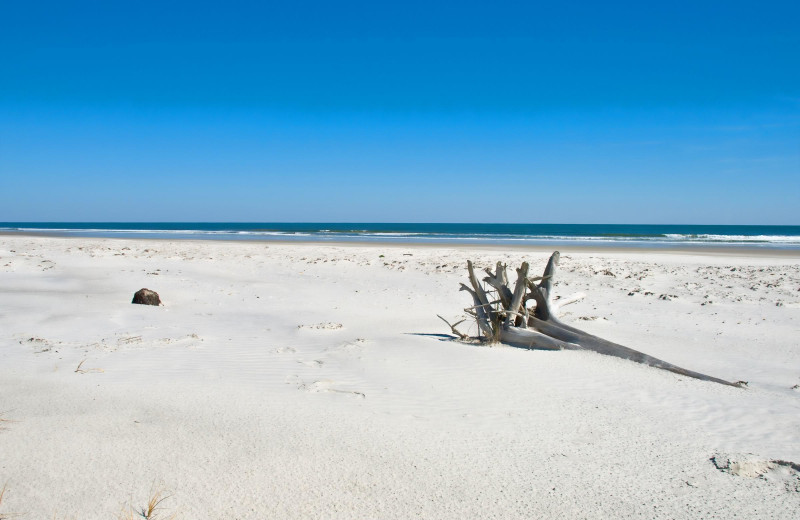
(510, 319)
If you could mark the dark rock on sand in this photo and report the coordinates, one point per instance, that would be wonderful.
(146, 297)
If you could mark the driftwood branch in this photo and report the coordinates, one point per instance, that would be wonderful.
(454, 329)
(499, 281)
(519, 294)
(481, 312)
(509, 320)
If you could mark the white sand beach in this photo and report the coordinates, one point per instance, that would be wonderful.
(312, 380)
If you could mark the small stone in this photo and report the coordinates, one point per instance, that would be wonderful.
(146, 297)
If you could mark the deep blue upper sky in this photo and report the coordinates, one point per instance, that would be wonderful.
(682, 112)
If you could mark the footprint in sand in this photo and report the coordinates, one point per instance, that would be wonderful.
(39, 345)
(316, 363)
(326, 385)
(348, 346)
(748, 465)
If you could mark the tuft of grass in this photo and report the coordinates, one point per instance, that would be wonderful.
(153, 505)
(153, 510)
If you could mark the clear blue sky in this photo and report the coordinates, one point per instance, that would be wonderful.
(585, 112)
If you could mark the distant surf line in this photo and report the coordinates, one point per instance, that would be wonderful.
(623, 235)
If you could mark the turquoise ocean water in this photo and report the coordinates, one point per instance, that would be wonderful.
(619, 235)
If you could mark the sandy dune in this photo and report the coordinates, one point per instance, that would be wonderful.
(312, 381)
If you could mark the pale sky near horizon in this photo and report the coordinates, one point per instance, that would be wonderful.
(595, 112)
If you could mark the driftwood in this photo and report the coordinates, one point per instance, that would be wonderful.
(527, 318)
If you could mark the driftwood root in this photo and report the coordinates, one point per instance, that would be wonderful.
(509, 319)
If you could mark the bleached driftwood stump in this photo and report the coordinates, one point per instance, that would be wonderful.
(510, 319)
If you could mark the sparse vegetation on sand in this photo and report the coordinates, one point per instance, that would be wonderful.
(153, 510)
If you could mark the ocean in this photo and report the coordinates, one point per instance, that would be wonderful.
(612, 235)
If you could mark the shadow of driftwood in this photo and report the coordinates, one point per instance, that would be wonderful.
(441, 337)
